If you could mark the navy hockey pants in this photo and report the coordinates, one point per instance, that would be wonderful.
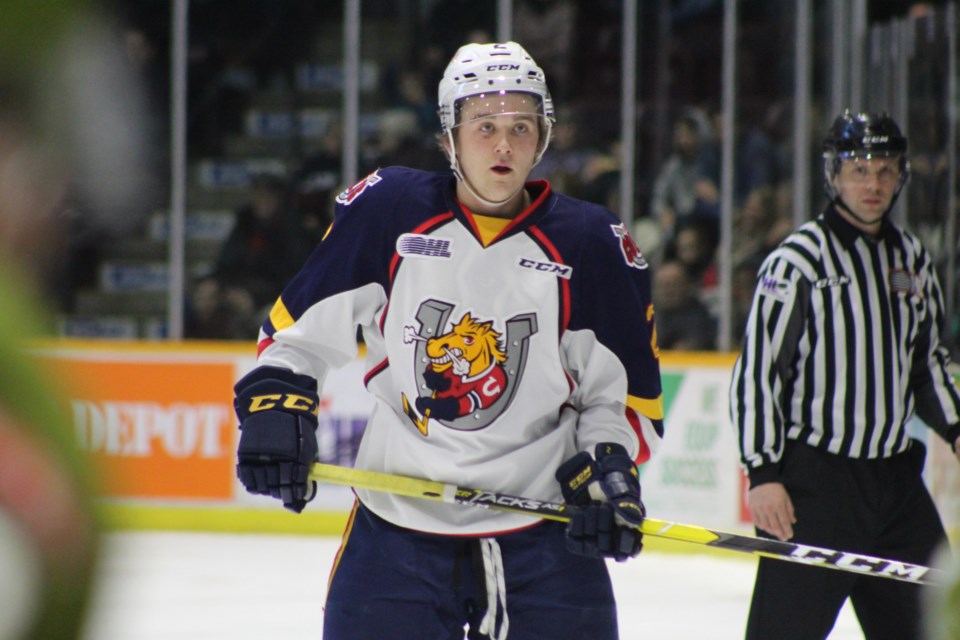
(874, 507)
(391, 583)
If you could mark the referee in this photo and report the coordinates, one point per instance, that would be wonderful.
(842, 346)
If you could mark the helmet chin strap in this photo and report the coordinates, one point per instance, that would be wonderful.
(838, 201)
(455, 166)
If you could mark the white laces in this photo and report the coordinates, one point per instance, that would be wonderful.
(496, 590)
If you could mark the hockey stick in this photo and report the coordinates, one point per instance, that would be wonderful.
(788, 551)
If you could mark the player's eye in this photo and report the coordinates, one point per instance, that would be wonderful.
(887, 174)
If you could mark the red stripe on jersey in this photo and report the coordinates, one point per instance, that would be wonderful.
(383, 316)
(435, 221)
(432, 222)
(377, 369)
(564, 283)
(644, 453)
(266, 342)
(472, 223)
(536, 185)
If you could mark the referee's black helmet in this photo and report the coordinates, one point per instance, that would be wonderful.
(864, 136)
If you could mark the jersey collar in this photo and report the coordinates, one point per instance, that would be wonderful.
(848, 233)
(540, 192)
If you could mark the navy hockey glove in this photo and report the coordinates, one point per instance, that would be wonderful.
(607, 492)
(278, 434)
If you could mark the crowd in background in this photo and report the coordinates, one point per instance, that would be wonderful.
(249, 55)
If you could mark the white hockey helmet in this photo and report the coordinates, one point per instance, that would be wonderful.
(478, 69)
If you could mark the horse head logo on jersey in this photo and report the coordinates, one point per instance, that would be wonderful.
(468, 374)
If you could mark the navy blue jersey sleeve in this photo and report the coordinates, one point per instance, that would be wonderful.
(359, 247)
(612, 297)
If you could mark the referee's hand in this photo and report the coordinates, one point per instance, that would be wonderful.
(772, 509)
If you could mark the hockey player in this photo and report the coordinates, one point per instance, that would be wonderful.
(510, 346)
(843, 344)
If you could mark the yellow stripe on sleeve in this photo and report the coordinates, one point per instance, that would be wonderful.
(280, 318)
(652, 409)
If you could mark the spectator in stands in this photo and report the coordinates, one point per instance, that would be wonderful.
(574, 166)
(217, 312)
(600, 177)
(317, 181)
(686, 186)
(266, 247)
(694, 245)
(683, 322)
(760, 224)
(743, 286)
(404, 88)
(267, 244)
(755, 153)
(400, 142)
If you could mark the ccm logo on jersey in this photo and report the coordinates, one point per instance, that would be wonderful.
(347, 196)
(545, 266)
(629, 249)
(831, 281)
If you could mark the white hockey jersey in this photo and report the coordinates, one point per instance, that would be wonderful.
(491, 363)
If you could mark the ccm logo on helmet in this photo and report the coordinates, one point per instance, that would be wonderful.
(875, 139)
(503, 67)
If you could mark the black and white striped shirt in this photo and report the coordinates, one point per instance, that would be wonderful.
(841, 346)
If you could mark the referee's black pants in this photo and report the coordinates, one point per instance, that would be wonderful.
(874, 507)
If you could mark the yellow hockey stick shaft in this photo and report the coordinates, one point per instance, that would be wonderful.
(787, 551)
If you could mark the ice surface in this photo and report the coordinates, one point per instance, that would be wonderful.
(193, 586)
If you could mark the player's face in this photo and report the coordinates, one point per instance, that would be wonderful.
(496, 143)
(867, 187)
